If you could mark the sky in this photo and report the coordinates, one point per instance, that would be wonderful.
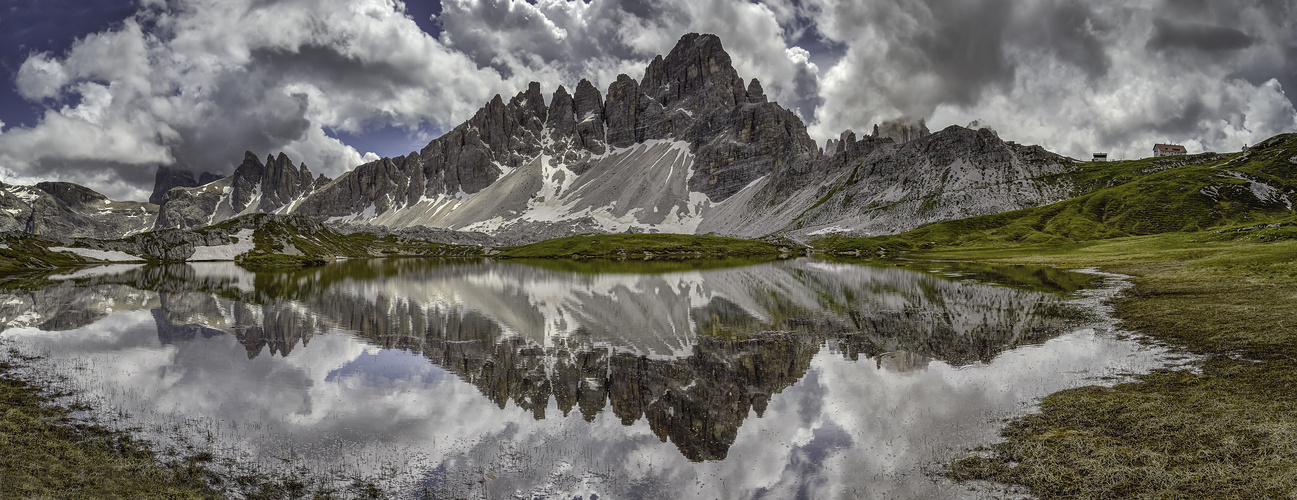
(102, 92)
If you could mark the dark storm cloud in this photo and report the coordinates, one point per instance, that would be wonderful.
(964, 48)
(266, 119)
(92, 172)
(1069, 30)
(906, 58)
(1168, 34)
(1175, 119)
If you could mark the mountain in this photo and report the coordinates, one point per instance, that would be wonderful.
(688, 148)
(67, 210)
(874, 186)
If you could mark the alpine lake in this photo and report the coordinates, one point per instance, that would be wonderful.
(420, 378)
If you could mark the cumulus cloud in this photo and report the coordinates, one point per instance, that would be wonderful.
(194, 83)
(40, 78)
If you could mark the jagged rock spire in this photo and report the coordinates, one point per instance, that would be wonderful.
(561, 118)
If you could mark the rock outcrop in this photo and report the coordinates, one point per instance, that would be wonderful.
(873, 185)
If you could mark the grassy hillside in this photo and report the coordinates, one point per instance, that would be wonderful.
(641, 246)
(1153, 196)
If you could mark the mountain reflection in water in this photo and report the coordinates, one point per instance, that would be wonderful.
(692, 353)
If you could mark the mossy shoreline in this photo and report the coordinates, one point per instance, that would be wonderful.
(50, 450)
(49, 454)
(1224, 427)
(274, 240)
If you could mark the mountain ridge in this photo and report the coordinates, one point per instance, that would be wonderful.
(669, 152)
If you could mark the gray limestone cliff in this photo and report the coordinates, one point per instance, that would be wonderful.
(873, 185)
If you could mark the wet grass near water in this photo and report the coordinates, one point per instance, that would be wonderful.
(49, 454)
(48, 449)
(1226, 429)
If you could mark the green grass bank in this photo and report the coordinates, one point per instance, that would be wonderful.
(1226, 430)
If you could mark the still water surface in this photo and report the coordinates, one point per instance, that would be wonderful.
(800, 378)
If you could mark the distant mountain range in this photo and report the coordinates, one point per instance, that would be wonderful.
(688, 148)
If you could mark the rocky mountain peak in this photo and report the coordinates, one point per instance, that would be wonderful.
(622, 109)
(561, 116)
(531, 102)
(697, 74)
(756, 94)
(588, 106)
(270, 185)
